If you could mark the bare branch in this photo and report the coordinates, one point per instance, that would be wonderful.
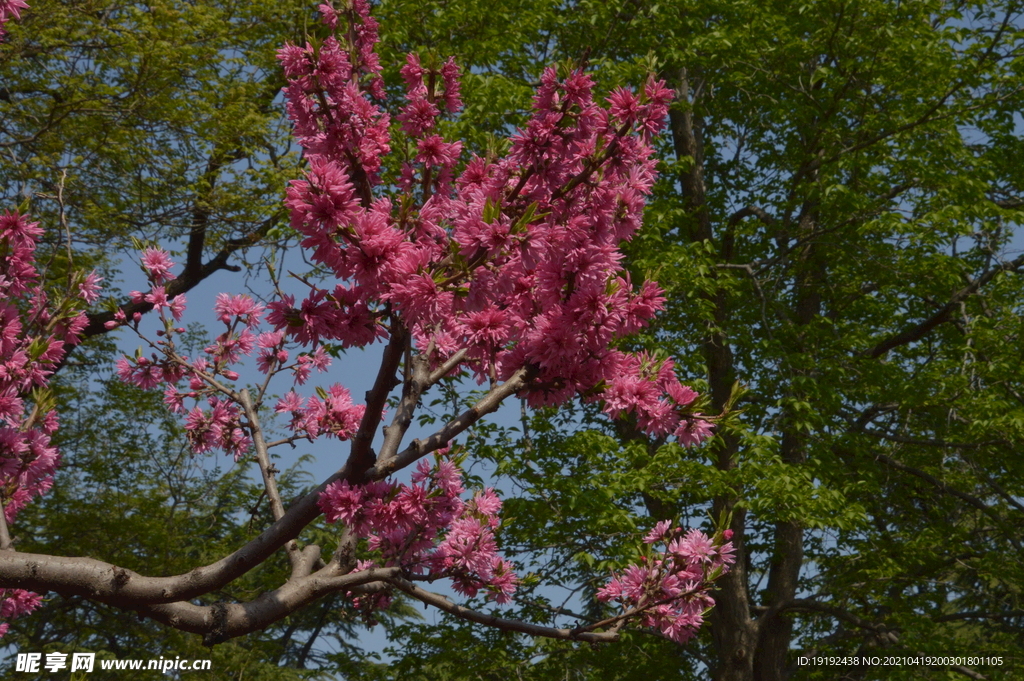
(416, 382)
(442, 603)
(267, 470)
(223, 621)
(448, 366)
(121, 587)
(418, 448)
(362, 456)
(749, 211)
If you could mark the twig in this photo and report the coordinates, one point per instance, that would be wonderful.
(267, 469)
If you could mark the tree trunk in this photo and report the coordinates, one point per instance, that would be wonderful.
(748, 649)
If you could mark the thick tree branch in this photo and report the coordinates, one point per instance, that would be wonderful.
(223, 621)
(124, 588)
(448, 366)
(362, 456)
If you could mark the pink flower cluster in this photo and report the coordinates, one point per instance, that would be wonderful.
(515, 260)
(16, 603)
(427, 529)
(343, 134)
(668, 589)
(218, 427)
(35, 334)
(332, 413)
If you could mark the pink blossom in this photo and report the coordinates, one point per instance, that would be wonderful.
(89, 289)
(341, 501)
(680, 394)
(670, 588)
(242, 307)
(219, 427)
(291, 402)
(452, 85)
(694, 430)
(659, 532)
(434, 151)
(157, 264)
(11, 8)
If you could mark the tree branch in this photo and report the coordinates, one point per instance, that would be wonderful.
(267, 470)
(919, 331)
(442, 603)
(188, 280)
(362, 456)
(419, 448)
(118, 586)
(414, 385)
(223, 621)
(751, 211)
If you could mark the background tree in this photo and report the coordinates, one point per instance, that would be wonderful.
(87, 85)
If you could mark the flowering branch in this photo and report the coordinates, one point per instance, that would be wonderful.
(507, 270)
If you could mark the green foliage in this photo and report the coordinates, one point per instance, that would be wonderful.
(151, 120)
(835, 228)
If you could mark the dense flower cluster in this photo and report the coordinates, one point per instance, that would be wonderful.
(515, 260)
(35, 334)
(670, 587)
(426, 528)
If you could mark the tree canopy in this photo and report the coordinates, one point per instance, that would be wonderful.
(836, 228)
